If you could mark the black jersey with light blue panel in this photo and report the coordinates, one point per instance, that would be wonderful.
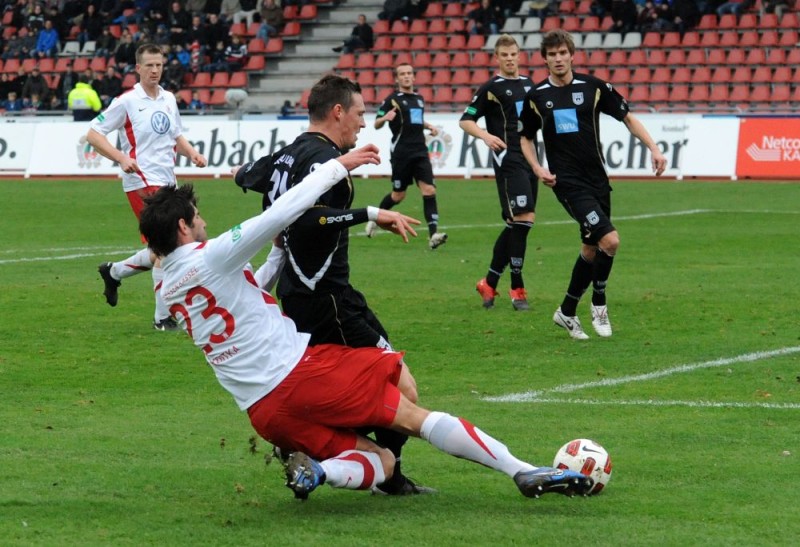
(569, 117)
(408, 136)
(500, 101)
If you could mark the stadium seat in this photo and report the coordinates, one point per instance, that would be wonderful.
(661, 74)
(736, 56)
(638, 57)
(456, 26)
(682, 75)
(443, 95)
(438, 42)
(690, 39)
(584, 7)
(621, 75)
(129, 80)
(202, 79)
(238, 80)
(679, 93)
(612, 40)
(256, 46)
(641, 75)
(383, 60)
(721, 74)
(274, 46)
(380, 27)
(418, 26)
(741, 74)
(761, 74)
(400, 43)
(700, 94)
(382, 43)
(422, 77)
(657, 57)
(80, 64)
(659, 93)
(475, 41)
(403, 58)
(651, 39)
(717, 56)
(453, 9)
(567, 6)
(631, 40)
(256, 63)
(398, 27)
(71, 48)
(28, 64)
(434, 9)
(591, 40)
(670, 40)
(707, 22)
(479, 77)
(422, 59)
(419, 43)
(702, 75)
(383, 78)
(740, 93)
(728, 38)
(603, 73)
(531, 24)
(220, 79)
(790, 20)
(368, 94)
(709, 39)
(598, 57)
(308, 12)
(551, 22)
(591, 24)
(98, 64)
(441, 78)
(347, 61)
(770, 38)
(437, 26)
(571, 24)
(11, 66)
(728, 21)
(749, 20)
(512, 24)
(782, 75)
(532, 42)
(304, 98)
(47, 65)
(8, 18)
(217, 98)
(640, 94)
(676, 57)
(462, 96)
(793, 58)
(696, 57)
(426, 93)
(440, 60)
(776, 56)
(788, 38)
(780, 93)
(719, 93)
(457, 42)
(461, 59)
(619, 57)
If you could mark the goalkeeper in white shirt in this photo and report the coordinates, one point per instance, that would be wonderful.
(307, 400)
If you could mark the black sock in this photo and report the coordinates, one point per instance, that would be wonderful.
(387, 202)
(431, 213)
(602, 271)
(394, 441)
(581, 278)
(517, 243)
(499, 258)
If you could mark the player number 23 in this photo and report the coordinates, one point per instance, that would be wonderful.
(210, 310)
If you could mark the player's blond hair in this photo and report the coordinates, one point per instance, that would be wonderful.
(505, 40)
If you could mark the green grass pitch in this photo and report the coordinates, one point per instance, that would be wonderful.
(114, 434)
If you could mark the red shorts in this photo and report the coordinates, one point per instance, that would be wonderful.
(136, 199)
(332, 390)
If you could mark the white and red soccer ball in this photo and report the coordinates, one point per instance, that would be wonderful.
(587, 457)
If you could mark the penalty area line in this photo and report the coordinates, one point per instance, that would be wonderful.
(536, 395)
(651, 402)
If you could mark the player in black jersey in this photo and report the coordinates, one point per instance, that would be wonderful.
(314, 285)
(404, 110)
(566, 107)
(499, 101)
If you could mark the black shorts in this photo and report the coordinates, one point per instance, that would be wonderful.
(517, 187)
(407, 171)
(336, 318)
(593, 213)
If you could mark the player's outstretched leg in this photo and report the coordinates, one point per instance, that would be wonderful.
(542, 480)
(111, 284)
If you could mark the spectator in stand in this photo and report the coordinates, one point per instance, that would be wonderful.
(179, 23)
(686, 15)
(110, 86)
(180, 101)
(106, 44)
(666, 16)
(125, 55)
(35, 85)
(158, 15)
(236, 54)
(12, 103)
(486, 19)
(248, 9)
(36, 18)
(184, 56)
(624, 14)
(54, 104)
(288, 109)
(272, 20)
(32, 104)
(217, 30)
(91, 25)
(65, 82)
(776, 6)
(47, 42)
(736, 7)
(394, 10)
(217, 60)
(173, 75)
(83, 101)
(195, 6)
(6, 85)
(12, 49)
(361, 37)
(198, 33)
(19, 81)
(228, 8)
(28, 44)
(196, 104)
(161, 37)
(647, 18)
(542, 8)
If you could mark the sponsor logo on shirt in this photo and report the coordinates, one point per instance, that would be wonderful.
(159, 122)
(335, 219)
(236, 233)
(415, 115)
(471, 110)
(566, 120)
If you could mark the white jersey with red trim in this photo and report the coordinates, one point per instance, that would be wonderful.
(211, 291)
(148, 129)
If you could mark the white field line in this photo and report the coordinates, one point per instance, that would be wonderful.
(542, 394)
(105, 251)
(651, 402)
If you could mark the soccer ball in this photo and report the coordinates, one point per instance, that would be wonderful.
(587, 457)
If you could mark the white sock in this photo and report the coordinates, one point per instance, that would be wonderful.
(162, 312)
(354, 470)
(136, 264)
(460, 438)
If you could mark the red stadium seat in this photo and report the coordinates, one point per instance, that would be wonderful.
(438, 42)
(710, 38)
(598, 57)
(590, 23)
(381, 26)
(740, 93)
(641, 75)
(717, 56)
(659, 93)
(671, 40)
(762, 74)
(383, 60)
(443, 95)
(461, 59)
(776, 56)
(790, 20)
(781, 94)
(441, 78)
(657, 57)
(348, 61)
(639, 94)
(696, 57)
(274, 46)
(676, 57)
(475, 42)
(661, 74)
(749, 20)
(441, 60)
(621, 75)
(256, 46)
(651, 39)
(202, 79)
(721, 74)
(401, 43)
(728, 38)
(434, 9)
(461, 76)
(453, 9)
(419, 43)
(382, 43)
(742, 74)
(619, 57)
(255, 63)
(456, 26)
(220, 79)
(418, 26)
(422, 59)
(398, 27)
(788, 38)
(700, 94)
(457, 42)
(479, 77)
(690, 39)
(707, 22)
(782, 75)
(571, 24)
(702, 75)
(437, 26)
(308, 12)
(736, 56)
(129, 81)
(719, 94)
(682, 75)
(383, 78)
(770, 38)
(679, 93)
(368, 94)
(422, 77)
(603, 73)
(238, 80)
(217, 98)
(728, 21)
(403, 58)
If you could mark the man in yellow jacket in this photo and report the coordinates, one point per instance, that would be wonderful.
(84, 101)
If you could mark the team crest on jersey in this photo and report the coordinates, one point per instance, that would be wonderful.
(522, 200)
(159, 122)
(549, 104)
(592, 218)
(508, 92)
(577, 98)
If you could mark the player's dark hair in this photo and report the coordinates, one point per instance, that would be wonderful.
(162, 212)
(327, 93)
(148, 48)
(556, 38)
